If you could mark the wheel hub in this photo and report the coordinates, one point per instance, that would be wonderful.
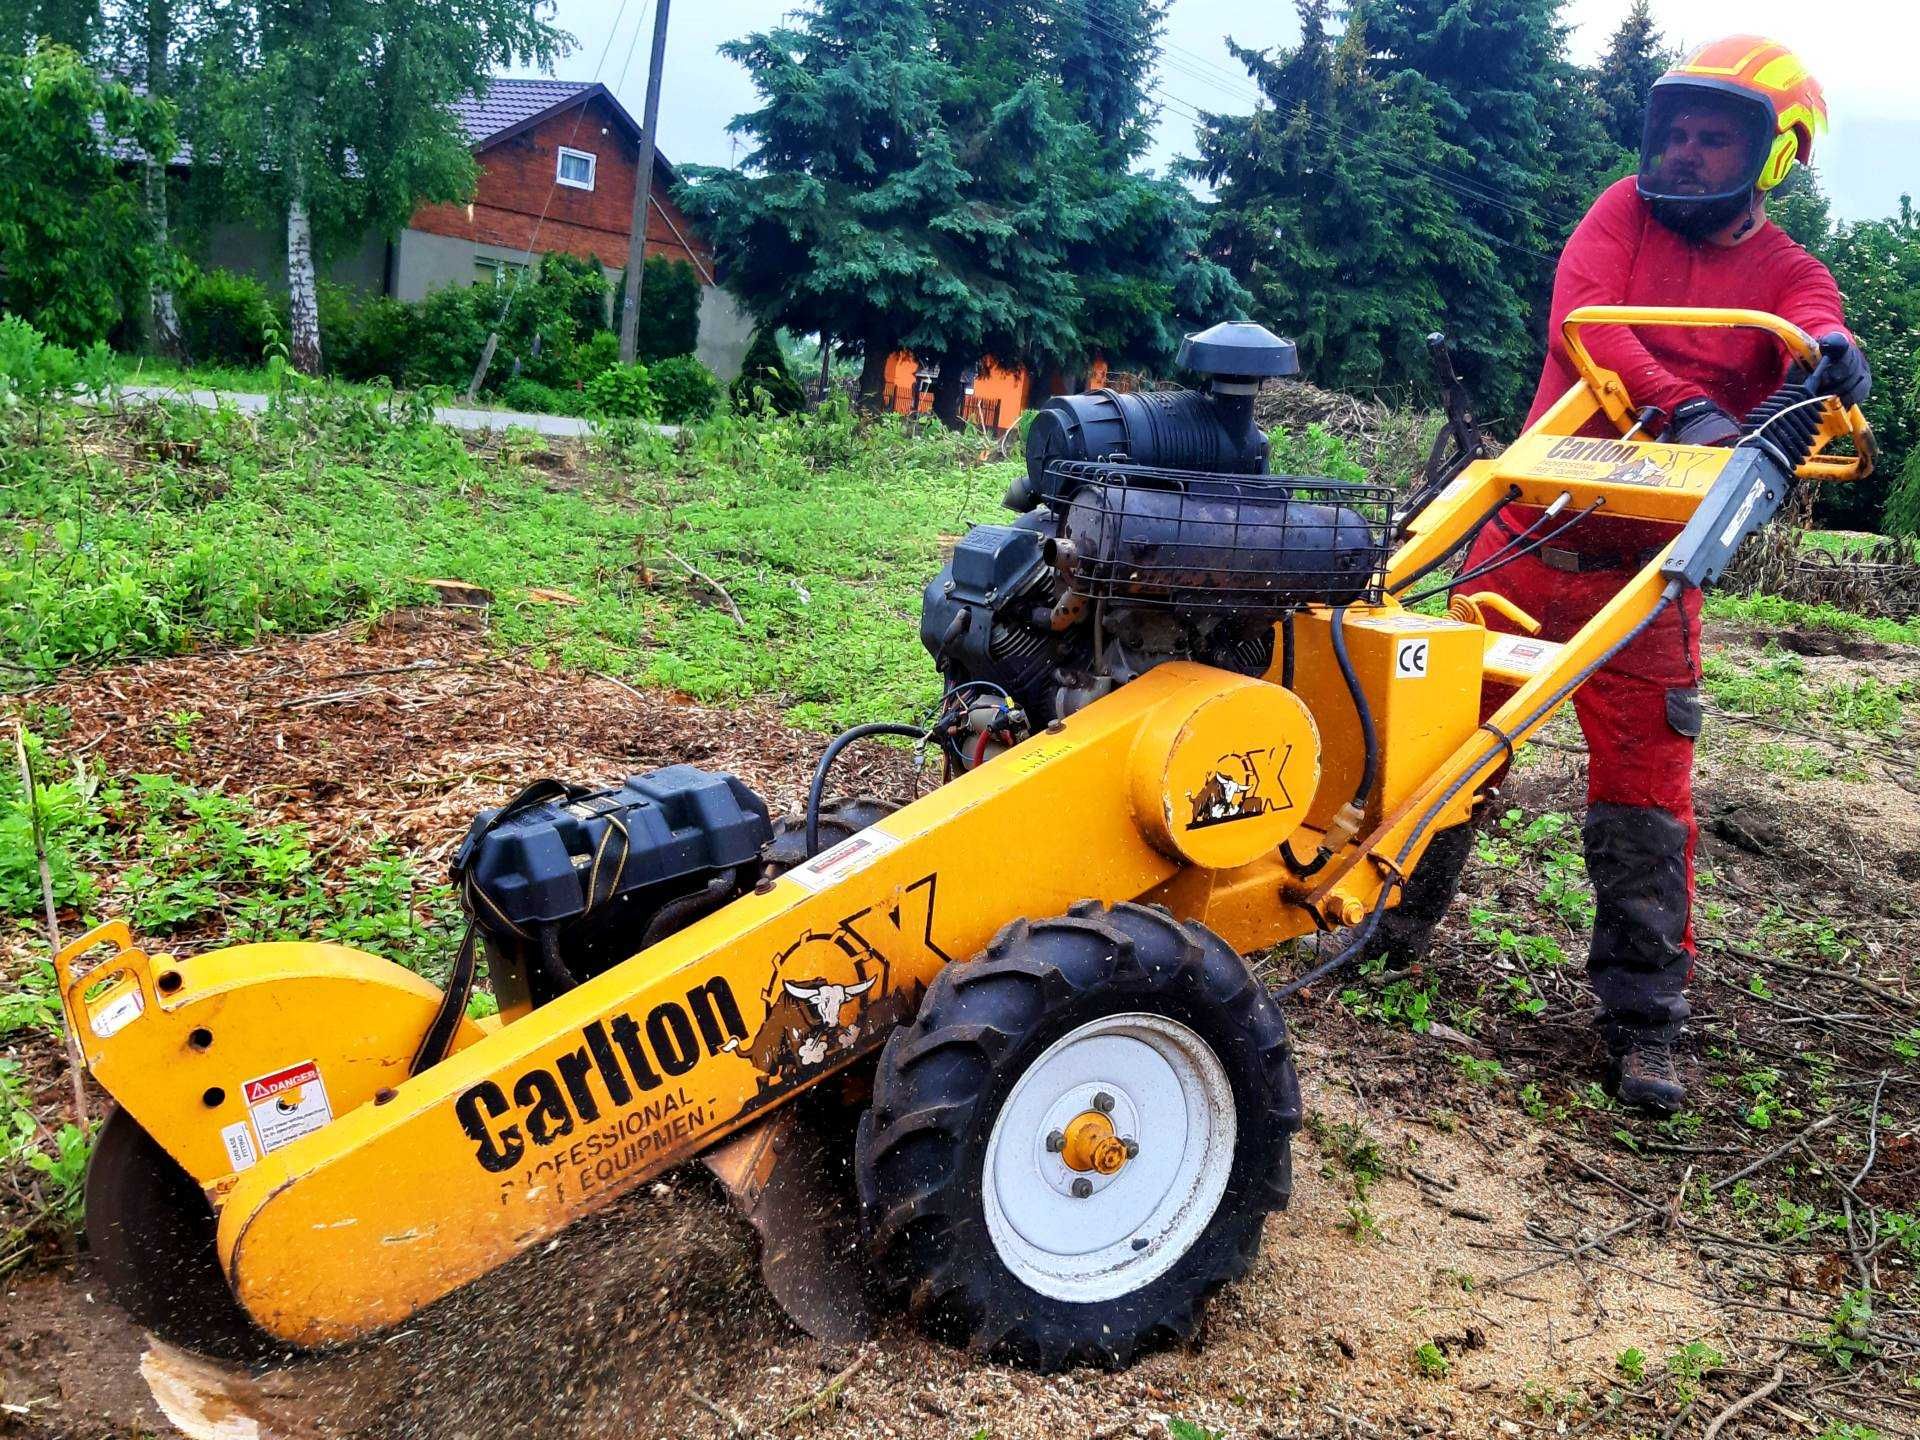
(1092, 1145)
(1109, 1156)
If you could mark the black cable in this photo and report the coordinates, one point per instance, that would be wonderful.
(1286, 650)
(1369, 738)
(832, 753)
(1465, 542)
(1499, 557)
(1370, 763)
(1500, 560)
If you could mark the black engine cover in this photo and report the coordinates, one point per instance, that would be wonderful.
(689, 833)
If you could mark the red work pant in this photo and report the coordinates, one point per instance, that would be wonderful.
(1640, 715)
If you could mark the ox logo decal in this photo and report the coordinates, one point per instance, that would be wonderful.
(1238, 788)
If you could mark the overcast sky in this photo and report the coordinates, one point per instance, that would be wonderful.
(1865, 52)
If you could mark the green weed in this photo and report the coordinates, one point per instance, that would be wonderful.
(1774, 611)
(1480, 1072)
(1631, 1363)
(1431, 1361)
(1689, 1366)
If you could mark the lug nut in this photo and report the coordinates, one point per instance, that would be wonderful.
(1133, 1148)
(1056, 1142)
(1082, 1188)
(1103, 1102)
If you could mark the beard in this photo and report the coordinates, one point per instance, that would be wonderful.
(1697, 219)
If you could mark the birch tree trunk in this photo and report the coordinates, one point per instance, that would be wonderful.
(304, 320)
(164, 322)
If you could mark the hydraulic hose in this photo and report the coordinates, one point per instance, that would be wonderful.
(1370, 741)
(832, 753)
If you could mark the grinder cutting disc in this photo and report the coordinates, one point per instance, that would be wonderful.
(152, 1236)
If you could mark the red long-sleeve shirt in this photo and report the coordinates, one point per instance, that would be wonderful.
(1620, 255)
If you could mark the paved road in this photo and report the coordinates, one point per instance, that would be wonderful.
(458, 417)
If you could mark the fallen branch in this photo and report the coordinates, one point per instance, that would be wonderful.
(713, 585)
(1750, 1399)
(30, 797)
(826, 1392)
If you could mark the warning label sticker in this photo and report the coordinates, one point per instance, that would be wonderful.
(288, 1104)
(1518, 655)
(118, 1013)
(850, 856)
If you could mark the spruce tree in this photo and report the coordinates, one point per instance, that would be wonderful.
(829, 224)
(1332, 211)
(1637, 56)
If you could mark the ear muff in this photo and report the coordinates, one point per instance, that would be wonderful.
(1786, 149)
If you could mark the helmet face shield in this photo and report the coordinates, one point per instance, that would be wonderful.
(1704, 144)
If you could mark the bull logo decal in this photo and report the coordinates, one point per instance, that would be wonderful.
(1637, 472)
(841, 989)
(1238, 789)
(828, 1003)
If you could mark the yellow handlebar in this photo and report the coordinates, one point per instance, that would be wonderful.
(1837, 420)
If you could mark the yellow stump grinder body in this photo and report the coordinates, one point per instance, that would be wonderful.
(1189, 715)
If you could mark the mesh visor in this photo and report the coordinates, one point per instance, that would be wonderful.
(1703, 143)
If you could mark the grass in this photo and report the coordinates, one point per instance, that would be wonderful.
(1777, 686)
(1774, 612)
(819, 532)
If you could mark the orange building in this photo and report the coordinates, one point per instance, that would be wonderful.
(994, 400)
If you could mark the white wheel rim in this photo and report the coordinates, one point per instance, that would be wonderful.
(1170, 1093)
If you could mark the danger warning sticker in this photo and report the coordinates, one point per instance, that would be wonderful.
(287, 1104)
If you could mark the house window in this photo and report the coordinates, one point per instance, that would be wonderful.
(575, 169)
(496, 272)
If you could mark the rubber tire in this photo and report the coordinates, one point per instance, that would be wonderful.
(152, 1236)
(1405, 932)
(839, 819)
(921, 1147)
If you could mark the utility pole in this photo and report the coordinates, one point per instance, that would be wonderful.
(643, 190)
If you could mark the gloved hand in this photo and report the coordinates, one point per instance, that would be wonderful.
(1700, 421)
(1844, 369)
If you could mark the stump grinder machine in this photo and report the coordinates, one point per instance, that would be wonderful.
(1192, 709)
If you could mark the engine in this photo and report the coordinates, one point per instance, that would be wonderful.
(1147, 529)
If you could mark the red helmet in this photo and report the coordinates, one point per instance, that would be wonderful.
(1727, 121)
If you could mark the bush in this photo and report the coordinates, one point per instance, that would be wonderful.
(449, 332)
(601, 351)
(669, 309)
(577, 288)
(538, 399)
(764, 379)
(622, 393)
(372, 340)
(224, 318)
(684, 389)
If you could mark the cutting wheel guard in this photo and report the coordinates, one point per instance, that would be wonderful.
(1145, 536)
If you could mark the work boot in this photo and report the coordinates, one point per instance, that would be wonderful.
(1644, 1076)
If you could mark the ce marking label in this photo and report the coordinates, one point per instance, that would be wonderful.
(1410, 660)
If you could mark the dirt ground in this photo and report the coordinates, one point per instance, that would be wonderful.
(1524, 1231)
